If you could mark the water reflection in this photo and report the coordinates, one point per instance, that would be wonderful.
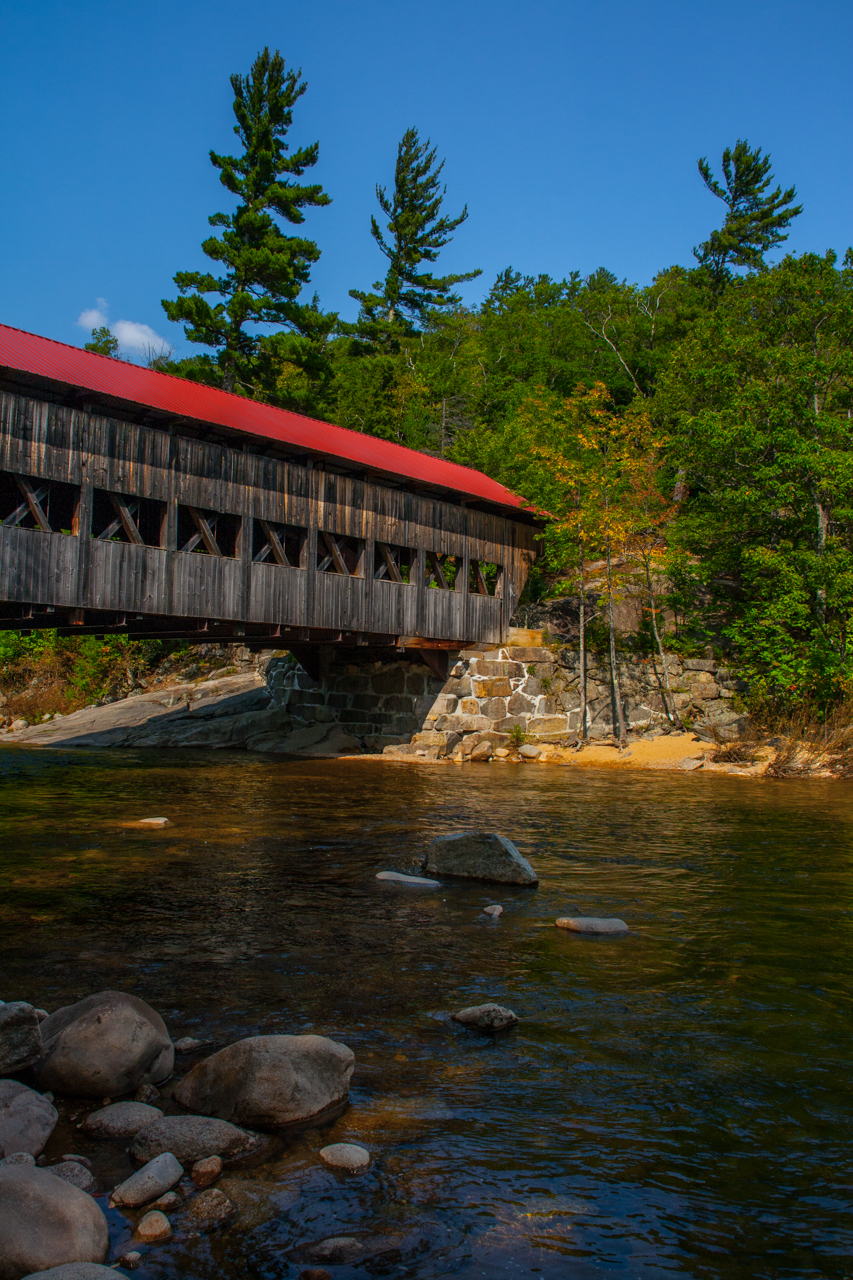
(674, 1101)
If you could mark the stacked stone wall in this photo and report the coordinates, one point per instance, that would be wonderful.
(531, 690)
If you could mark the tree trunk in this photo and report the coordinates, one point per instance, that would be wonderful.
(614, 671)
(668, 703)
(582, 647)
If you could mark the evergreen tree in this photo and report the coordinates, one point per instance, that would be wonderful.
(417, 233)
(265, 270)
(755, 221)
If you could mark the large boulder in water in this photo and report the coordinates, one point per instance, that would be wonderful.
(478, 855)
(26, 1119)
(45, 1221)
(191, 1138)
(105, 1045)
(20, 1036)
(270, 1081)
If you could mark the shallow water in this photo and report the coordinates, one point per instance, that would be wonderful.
(675, 1101)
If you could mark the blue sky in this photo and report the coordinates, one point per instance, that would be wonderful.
(570, 129)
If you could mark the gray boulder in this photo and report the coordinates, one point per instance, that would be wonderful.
(105, 1045)
(75, 1271)
(148, 1183)
(45, 1222)
(486, 1017)
(478, 856)
(77, 1174)
(20, 1037)
(269, 1082)
(26, 1119)
(191, 1138)
(120, 1120)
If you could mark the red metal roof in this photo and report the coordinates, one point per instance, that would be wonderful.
(30, 353)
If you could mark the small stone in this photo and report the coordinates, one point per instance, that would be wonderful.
(592, 924)
(20, 1037)
(169, 1202)
(147, 1093)
(19, 1157)
(205, 1172)
(78, 1159)
(17, 725)
(529, 752)
(486, 1017)
(155, 1226)
(152, 1180)
(483, 751)
(154, 822)
(77, 1174)
(191, 1138)
(210, 1208)
(690, 763)
(345, 1155)
(501, 753)
(419, 882)
(130, 1261)
(26, 1119)
(120, 1120)
(186, 1044)
(494, 911)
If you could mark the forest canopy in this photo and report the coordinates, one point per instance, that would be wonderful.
(692, 434)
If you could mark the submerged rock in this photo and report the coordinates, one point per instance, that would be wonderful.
(26, 1119)
(148, 1183)
(592, 924)
(20, 1036)
(345, 1155)
(270, 1081)
(486, 1017)
(104, 1046)
(147, 1093)
(494, 911)
(419, 882)
(210, 1208)
(120, 1120)
(191, 1138)
(187, 1044)
(478, 856)
(45, 1222)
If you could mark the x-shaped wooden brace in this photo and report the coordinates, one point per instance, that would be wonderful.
(205, 534)
(274, 545)
(436, 574)
(481, 587)
(32, 506)
(333, 546)
(125, 519)
(390, 564)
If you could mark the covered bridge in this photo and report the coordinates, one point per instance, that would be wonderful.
(139, 503)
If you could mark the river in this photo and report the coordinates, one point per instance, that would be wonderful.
(674, 1102)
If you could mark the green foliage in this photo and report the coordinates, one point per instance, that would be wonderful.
(517, 736)
(103, 342)
(264, 269)
(46, 672)
(417, 232)
(756, 221)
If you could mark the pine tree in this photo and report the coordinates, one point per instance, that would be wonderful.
(265, 270)
(755, 222)
(417, 233)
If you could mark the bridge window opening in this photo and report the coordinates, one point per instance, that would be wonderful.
(47, 505)
(119, 517)
(442, 571)
(396, 564)
(210, 533)
(485, 578)
(336, 554)
(281, 544)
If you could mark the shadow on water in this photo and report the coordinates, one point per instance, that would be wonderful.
(673, 1101)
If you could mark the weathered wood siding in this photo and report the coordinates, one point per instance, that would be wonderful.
(53, 442)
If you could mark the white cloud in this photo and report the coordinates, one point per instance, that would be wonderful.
(139, 338)
(94, 317)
